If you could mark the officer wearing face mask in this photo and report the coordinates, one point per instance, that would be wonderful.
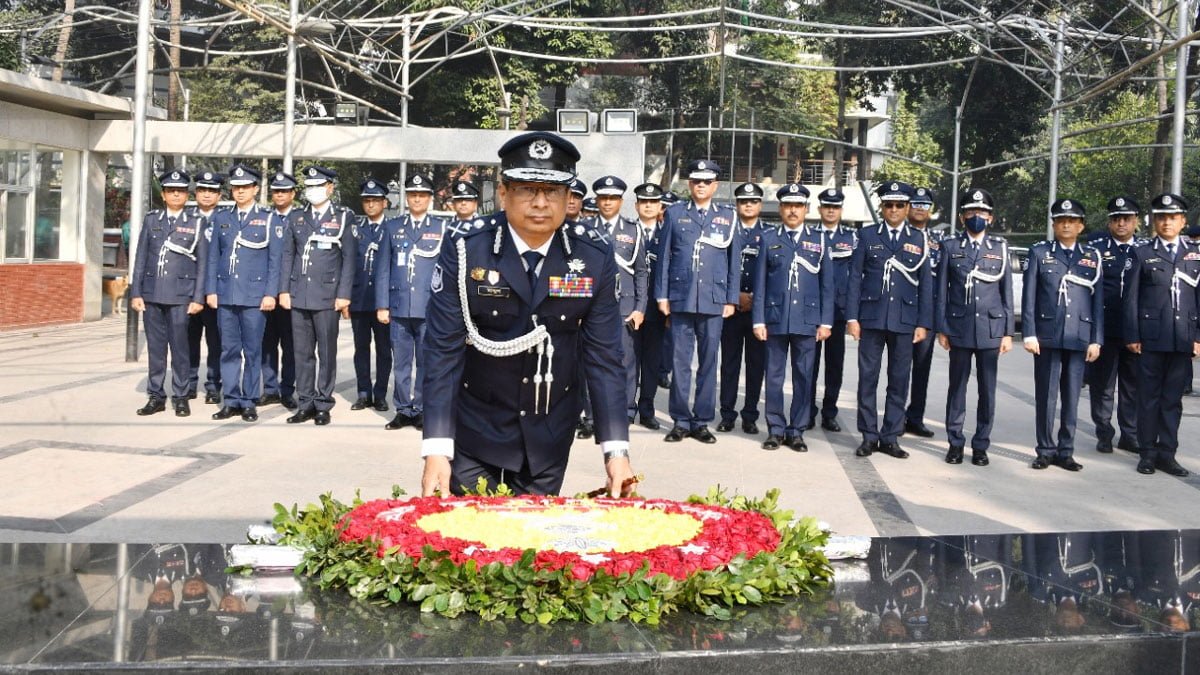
(974, 319)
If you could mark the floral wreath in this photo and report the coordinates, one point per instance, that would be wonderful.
(544, 559)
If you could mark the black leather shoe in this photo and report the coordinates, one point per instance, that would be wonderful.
(676, 434)
(1145, 466)
(809, 426)
(362, 403)
(1169, 465)
(268, 399)
(418, 420)
(650, 423)
(954, 455)
(831, 424)
(289, 402)
(398, 422)
(154, 405)
(865, 448)
(702, 434)
(249, 414)
(664, 382)
(321, 418)
(380, 405)
(191, 396)
(1069, 463)
(1128, 445)
(979, 458)
(302, 416)
(584, 430)
(725, 426)
(1104, 446)
(750, 428)
(797, 443)
(1040, 463)
(226, 412)
(772, 442)
(893, 450)
(182, 409)
(212, 398)
(918, 429)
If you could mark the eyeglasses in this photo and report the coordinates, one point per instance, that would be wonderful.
(526, 193)
(702, 181)
(920, 207)
(894, 205)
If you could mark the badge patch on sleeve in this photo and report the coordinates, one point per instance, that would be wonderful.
(435, 282)
(571, 286)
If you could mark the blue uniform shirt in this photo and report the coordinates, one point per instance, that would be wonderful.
(1115, 258)
(318, 257)
(1063, 314)
(367, 237)
(1163, 297)
(975, 293)
(169, 265)
(244, 257)
(699, 259)
(408, 251)
(629, 249)
(841, 242)
(793, 286)
(891, 284)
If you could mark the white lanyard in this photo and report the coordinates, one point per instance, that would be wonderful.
(315, 238)
(894, 264)
(239, 241)
(979, 275)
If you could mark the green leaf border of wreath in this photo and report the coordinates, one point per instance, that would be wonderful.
(797, 567)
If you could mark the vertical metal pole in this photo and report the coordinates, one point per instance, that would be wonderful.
(406, 54)
(750, 151)
(289, 97)
(121, 620)
(669, 165)
(1182, 14)
(732, 149)
(954, 189)
(1055, 126)
(137, 191)
(708, 142)
(187, 113)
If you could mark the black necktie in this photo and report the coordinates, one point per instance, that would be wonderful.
(974, 246)
(703, 212)
(171, 221)
(241, 216)
(532, 258)
(1070, 255)
(895, 237)
(1171, 251)
(1124, 248)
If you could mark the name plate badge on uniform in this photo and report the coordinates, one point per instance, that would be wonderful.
(324, 245)
(401, 258)
(571, 286)
(494, 291)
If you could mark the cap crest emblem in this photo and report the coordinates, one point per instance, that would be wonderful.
(608, 181)
(895, 186)
(312, 171)
(540, 149)
(1120, 201)
(416, 180)
(1067, 206)
(175, 175)
(978, 196)
(1167, 200)
(701, 165)
(239, 172)
(462, 187)
(371, 184)
(794, 188)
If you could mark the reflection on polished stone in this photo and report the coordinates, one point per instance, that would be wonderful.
(173, 604)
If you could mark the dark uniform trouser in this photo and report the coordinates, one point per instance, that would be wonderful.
(922, 361)
(1057, 373)
(699, 334)
(986, 361)
(1162, 377)
(366, 328)
(803, 352)
(314, 336)
(278, 357)
(648, 343)
(241, 353)
(204, 323)
(870, 360)
(1115, 369)
(835, 358)
(736, 332)
(408, 339)
(167, 328)
(465, 470)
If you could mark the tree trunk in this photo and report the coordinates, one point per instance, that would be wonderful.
(1162, 132)
(173, 82)
(64, 39)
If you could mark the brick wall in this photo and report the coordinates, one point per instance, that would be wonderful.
(43, 293)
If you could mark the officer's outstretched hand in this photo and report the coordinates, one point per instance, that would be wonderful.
(619, 471)
(436, 478)
(195, 308)
(383, 316)
(211, 299)
(1093, 353)
(918, 335)
(285, 300)
(854, 329)
(944, 341)
(1032, 346)
(138, 305)
(664, 306)
(268, 303)
(727, 311)
(1006, 344)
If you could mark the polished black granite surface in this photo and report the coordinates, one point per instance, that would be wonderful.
(1100, 602)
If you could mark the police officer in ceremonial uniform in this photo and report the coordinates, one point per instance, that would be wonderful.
(737, 333)
(464, 200)
(793, 310)
(243, 280)
(278, 359)
(318, 276)
(1117, 366)
(648, 341)
(1062, 311)
(203, 325)
(588, 209)
(889, 305)
(368, 232)
(840, 240)
(576, 191)
(919, 215)
(501, 385)
(1162, 303)
(975, 320)
(410, 249)
(167, 287)
(697, 286)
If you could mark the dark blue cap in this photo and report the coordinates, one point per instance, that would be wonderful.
(608, 185)
(589, 204)
(372, 188)
(319, 175)
(240, 174)
(210, 179)
(831, 197)
(922, 195)
(976, 199)
(648, 192)
(792, 193)
(577, 187)
(670, 198)
(1067, 208)
(1123, 206)
(703, 169)
(894, 191)
(282, 181)
(748, 191)
(174, 178)
(538, 157)
(463, 189)
(418, 183)
(1168, 202)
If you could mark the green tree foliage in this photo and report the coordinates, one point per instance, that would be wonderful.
(909, 140)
